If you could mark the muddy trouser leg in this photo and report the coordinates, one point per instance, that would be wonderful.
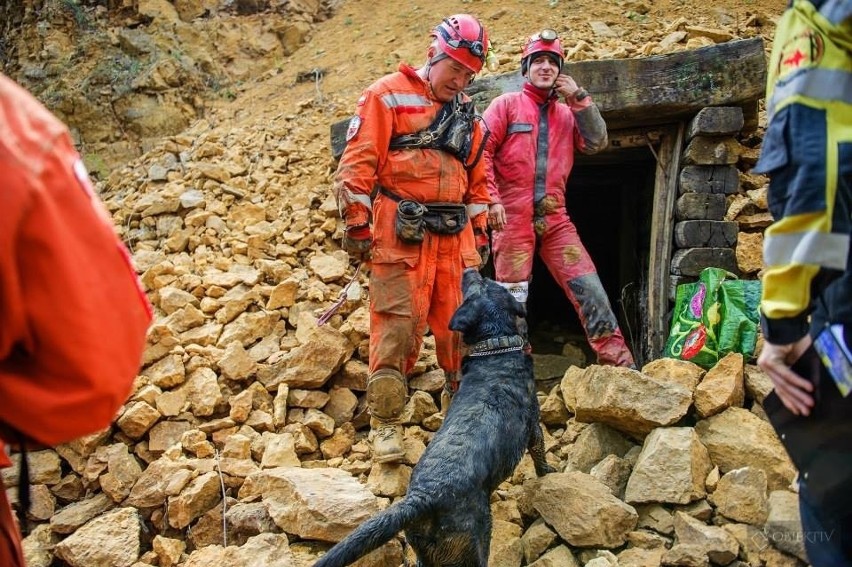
(447, 297)
(571, 266)
(394, 336)
(514, 251)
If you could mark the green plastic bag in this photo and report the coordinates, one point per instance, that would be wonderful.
(714, 316)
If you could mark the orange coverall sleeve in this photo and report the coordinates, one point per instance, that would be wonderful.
(478, 192)
(364, 155)
(73, 317)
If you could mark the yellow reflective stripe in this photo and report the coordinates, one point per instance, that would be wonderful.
(787, 290)
(815, 248)
(475, 209)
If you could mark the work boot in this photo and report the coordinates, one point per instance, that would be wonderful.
(387, 441)
(386, 391)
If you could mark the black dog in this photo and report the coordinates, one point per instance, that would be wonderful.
(494, 416)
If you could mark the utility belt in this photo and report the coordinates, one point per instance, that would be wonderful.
(413, 219)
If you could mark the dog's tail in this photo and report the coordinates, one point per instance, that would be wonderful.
(371, 534)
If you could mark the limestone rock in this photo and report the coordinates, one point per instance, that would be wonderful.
(671, 468)
(683, 372)
(737, 438)
(582, 510)
(741, 495)
(718, 545)
(629, 401)
(722, 386)
(111, 539)
(321, 504)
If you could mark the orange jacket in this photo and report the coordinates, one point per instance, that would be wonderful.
(73, 316)
(397, 104)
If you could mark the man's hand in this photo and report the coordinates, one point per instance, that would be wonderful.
(575, 97)
(794, 391)
(496, 216)
(483, 246)
(357, 241)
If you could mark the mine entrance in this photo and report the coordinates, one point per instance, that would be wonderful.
(610, 198)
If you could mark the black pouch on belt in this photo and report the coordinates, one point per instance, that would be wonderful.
(410, 226)
(445, 218)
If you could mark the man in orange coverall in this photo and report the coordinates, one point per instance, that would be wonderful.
(412, 168)
(73, 316)
(529, 156)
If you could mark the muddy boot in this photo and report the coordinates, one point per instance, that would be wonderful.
(386, 441)
(386, 392)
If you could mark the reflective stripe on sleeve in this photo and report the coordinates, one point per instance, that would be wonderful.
(827, 250)
(475, 209)
(393, 100)
(817, 84)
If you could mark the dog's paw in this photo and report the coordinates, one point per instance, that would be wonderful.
(544, 469)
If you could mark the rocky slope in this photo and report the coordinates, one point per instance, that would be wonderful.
(244, 438)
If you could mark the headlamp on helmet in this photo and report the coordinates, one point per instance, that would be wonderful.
(544, 42)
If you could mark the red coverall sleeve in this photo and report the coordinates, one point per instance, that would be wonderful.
(73, 317)
(495, 119)
(365, 154)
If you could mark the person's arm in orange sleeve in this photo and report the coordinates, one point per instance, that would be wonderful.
(368, 139)
(73, 317)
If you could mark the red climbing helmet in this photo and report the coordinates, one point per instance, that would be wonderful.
(463, 38)
(546, 41)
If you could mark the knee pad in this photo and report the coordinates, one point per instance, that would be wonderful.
(386, 392)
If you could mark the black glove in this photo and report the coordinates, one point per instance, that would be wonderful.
(357, 242)
(483, 246)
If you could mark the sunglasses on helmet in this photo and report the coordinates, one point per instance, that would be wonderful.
(476, 47)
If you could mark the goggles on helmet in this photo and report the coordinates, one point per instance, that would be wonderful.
(476, 47)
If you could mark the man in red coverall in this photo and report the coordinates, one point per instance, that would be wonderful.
(414, 148)
(73, 316)
(529, 156)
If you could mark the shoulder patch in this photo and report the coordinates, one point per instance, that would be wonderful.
(361, 100)
(354, 126)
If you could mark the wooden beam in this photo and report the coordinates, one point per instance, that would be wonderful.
(662, 223)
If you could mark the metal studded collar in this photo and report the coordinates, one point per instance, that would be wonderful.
(497, 345)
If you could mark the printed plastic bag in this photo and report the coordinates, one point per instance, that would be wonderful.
(714, 316)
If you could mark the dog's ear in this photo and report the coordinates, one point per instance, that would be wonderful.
(463, 318)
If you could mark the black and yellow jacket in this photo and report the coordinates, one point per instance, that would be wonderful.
(807, 151)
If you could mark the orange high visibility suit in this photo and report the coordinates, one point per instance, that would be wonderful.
(73, 316)
(411, 285)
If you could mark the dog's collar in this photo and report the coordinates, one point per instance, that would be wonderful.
(497, 345)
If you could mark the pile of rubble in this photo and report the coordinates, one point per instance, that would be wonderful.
(245, 434)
